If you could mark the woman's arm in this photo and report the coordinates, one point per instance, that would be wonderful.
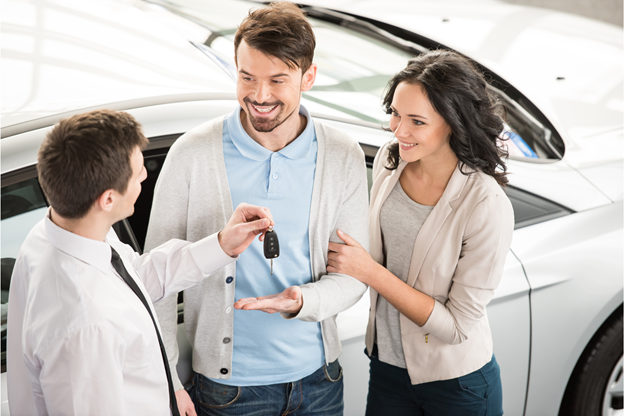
(479, 269)
(350, 258)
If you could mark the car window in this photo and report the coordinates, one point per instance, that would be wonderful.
(153, 160)
(354, 65)
(531, 209)
(23, 206)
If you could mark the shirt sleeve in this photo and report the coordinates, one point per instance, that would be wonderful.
(487, 240)
(80, 374)
(177, 265)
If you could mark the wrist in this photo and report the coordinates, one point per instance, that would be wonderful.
(227, 251)
(373, 274)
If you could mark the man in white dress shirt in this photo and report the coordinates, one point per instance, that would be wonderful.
(80, 340)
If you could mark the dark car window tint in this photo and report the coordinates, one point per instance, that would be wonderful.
(531, 209)
(528, 208)
(153, 160)
(23, 206)
(139, 221)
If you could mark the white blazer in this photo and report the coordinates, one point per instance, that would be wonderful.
(458, 260)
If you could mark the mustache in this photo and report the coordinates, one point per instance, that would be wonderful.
(247, 100)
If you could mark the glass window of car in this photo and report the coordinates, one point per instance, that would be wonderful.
(23, 206)
(355, 66)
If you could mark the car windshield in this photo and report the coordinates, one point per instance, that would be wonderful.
(354, 67)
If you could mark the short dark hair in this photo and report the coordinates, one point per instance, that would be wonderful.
(86, 154)
(281, 30)
(458, 92)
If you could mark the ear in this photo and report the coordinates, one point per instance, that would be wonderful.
(307, 81)
(106, 201)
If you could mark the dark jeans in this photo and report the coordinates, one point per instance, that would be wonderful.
(390, 392)
(320, 393)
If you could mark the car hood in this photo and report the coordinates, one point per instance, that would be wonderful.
(570, 67)
(60, 56)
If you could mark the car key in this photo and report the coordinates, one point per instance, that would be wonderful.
(271, 246)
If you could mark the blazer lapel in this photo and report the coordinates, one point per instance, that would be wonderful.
(434, 222)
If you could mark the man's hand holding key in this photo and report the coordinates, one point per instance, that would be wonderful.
(244, 225)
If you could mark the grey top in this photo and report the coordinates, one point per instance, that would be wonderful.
(192, 200)
(401, 219)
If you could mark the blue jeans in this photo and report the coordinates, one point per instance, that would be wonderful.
(320, 393)
(390, 392)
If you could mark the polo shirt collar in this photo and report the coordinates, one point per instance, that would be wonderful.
(93, 252)
(248, 147)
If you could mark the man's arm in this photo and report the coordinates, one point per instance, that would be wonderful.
(332, 292)
(177, 265)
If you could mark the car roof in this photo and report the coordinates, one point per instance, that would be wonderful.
(61, 56)
(567, 63)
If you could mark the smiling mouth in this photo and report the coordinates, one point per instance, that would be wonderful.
(407, 144)
(263, 109)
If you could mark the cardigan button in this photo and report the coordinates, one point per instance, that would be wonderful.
(224, 371)
(229, 279)
(227, 340)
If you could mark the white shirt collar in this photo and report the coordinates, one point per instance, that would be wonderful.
(93, 252)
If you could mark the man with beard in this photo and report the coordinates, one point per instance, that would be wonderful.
(268, 151)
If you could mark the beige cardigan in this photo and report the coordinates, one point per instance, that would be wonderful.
(458, 260)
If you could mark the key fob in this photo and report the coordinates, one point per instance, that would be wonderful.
(271, 245)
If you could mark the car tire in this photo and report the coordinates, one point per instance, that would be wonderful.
(595, 388)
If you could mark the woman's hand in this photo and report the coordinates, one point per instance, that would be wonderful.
(350, 259)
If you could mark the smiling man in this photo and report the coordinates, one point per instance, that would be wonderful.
(248, 360)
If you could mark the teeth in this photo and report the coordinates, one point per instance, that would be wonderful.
(408, 145)
(263, 110)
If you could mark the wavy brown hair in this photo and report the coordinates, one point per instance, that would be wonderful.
(458, 92)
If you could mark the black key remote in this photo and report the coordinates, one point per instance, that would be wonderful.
(271, 246)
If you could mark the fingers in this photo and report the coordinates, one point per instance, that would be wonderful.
(185, 404)
(239, 304)
(347, 239)
(335, 247)
(268, 306)
(252, 212)
(255, 226)
(289, 299)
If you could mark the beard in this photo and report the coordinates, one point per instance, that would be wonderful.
(265, 124)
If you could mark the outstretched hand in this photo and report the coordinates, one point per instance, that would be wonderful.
(244, 225)
(350, 259)
(289, 301)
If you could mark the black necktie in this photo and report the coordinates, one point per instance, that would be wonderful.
(118, 265)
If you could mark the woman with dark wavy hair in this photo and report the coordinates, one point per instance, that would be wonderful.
(441, 229)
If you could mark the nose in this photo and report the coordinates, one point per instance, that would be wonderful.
(400, 131)
(263, 93)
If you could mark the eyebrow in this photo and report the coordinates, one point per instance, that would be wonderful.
(272, 76)
(409, 115)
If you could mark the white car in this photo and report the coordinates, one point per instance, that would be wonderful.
(557, 315)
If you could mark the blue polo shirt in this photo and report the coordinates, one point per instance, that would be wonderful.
(269, 349)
